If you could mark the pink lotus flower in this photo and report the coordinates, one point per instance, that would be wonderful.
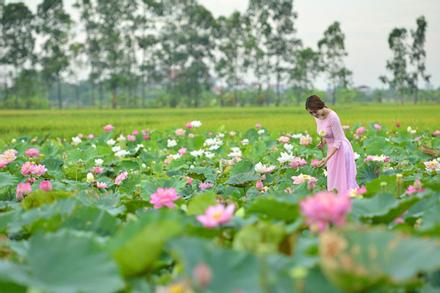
(416, 187)
(91, 136)
(32, 152)
(305, 140)
(45, 185)
(311, 184)
(205, 185)
(436, 133)
(182, 151)
(121, 177)
(108, 128)
(360, 131)
(22, 190)
(39, 170)
(146, 136)
(135, 132)
(377, 126)
(189, 125)
(357, 192)
(29, 168)
(259, 185)
(7, 157)
(216, 215)
(258, 125)
(324, 209)
(202, 274)
(101, 185)
(283, 139)
(3, 163)
(164, 197)
(97, 169)
(297, 162)
(315, 163)
(131, 137)
(189, 180)
(180, 132)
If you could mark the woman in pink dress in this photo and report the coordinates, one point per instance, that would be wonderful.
(341, 168)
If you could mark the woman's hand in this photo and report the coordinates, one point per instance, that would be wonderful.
(322, 163)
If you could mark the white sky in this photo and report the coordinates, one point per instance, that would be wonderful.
(366, 24)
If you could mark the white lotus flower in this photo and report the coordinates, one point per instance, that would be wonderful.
(196, 123)
(288, 147)
(197, 153)
(121, 153)
(285, 157)
(90, 178)
(76, 140)
(98, 162)
(171, 143)
(111, 141)
(121, 138)
(260, 168)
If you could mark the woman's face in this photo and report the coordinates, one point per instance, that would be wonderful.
(320, 114)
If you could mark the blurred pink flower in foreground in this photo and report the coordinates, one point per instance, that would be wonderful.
(324, 209)
(32, 153)
(108, 128)
(121, 177)
(216, 215)
(164, 197)
(45, 185)
(22, 190)
(377, 126)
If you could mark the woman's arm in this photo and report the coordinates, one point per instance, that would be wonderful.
(338, 135)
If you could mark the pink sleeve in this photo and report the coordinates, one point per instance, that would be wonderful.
(338, 132)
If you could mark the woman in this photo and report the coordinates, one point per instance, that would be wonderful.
(341, 168)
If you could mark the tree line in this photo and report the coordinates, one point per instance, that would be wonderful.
(152, 53)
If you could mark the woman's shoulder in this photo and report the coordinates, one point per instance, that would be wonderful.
(333, 115)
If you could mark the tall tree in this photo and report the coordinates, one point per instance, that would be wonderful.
(54, 26)
(304, 72)
(230, 44)
(282, 42)
(17, 40)
(258, 29)
(332, 52)
(398, 64)
(417, 57)
(89, 22)
(187, 49)
(112, 21)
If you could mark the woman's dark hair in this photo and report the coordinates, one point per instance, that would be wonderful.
(314, 103)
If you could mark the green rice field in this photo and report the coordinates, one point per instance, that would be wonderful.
(14, 123)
